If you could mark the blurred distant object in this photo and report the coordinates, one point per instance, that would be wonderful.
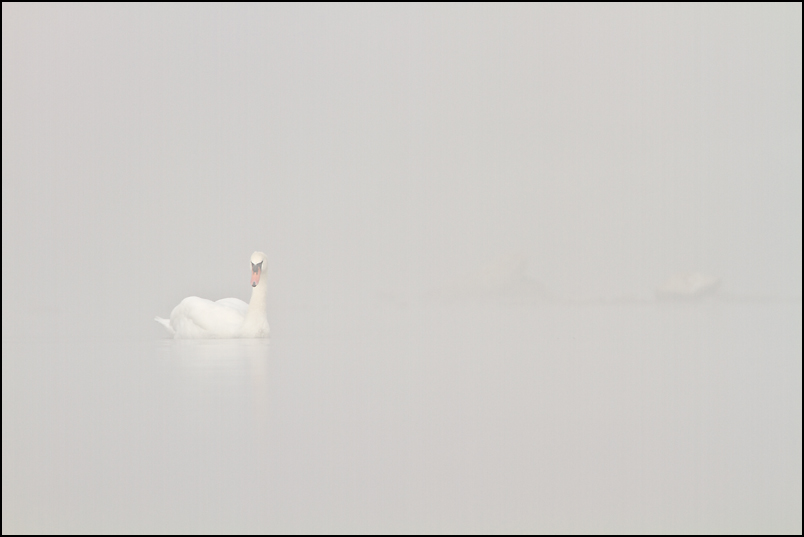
(503, 281)
(688, 286)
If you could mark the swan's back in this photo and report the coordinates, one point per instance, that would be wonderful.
(234, 303)
(198, 317)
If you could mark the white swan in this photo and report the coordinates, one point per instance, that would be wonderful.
(688, 285)
(196, 318)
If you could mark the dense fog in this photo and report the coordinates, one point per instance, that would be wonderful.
(531, 267)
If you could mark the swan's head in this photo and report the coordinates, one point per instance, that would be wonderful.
(258, 264)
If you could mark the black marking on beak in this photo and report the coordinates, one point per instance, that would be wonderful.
(256, 269)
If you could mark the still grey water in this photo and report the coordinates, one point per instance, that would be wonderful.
(417, 417)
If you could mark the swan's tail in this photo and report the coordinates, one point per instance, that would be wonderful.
(166, 324)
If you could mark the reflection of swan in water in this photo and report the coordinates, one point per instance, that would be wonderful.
(197, 318)
(208, 368)
(690, 285)
(504, 280)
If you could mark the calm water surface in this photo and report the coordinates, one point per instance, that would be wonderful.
(609, 417)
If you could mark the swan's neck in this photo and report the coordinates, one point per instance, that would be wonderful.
(257, 306)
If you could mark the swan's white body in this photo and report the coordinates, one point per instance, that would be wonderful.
(197, 318)
(691, 285)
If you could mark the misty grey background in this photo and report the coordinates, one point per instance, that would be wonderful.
(384, 157)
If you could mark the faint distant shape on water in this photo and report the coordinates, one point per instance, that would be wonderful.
(503, 281)
(688, 286)
(199, 318)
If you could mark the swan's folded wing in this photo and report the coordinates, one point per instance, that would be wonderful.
(235, 303)
(199, 317)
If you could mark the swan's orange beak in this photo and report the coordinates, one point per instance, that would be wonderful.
(255, 274)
